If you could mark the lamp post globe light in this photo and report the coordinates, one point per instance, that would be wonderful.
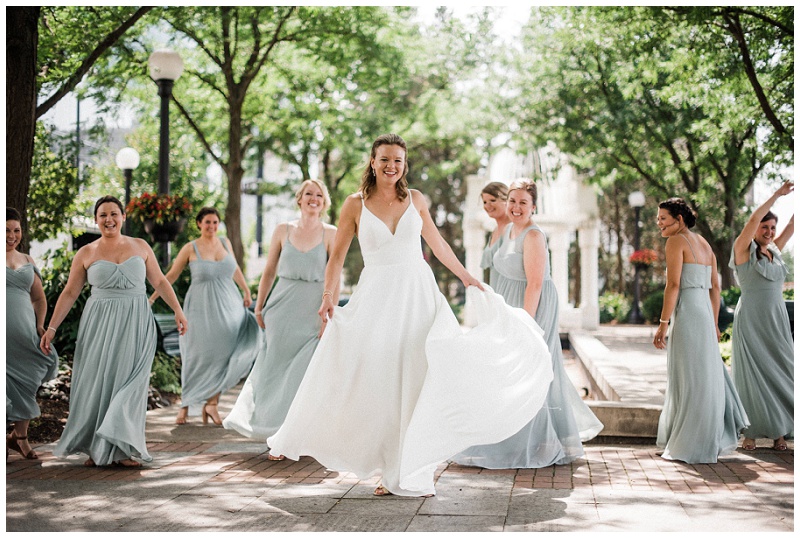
(165, 68)
(636, 201)
(127, 160)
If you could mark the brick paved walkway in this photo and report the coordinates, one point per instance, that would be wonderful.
(603, 467)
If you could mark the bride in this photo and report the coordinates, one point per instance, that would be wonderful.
(395, 386)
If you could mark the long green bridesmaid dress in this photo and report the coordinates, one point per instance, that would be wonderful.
(702, 414)
(111, 369)
(763, 348)
(26, 366)
(291, 336)
(222, 343)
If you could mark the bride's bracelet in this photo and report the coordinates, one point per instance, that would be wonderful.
(327, 292)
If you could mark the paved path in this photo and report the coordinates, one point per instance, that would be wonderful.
(211, 479)
(208, 478)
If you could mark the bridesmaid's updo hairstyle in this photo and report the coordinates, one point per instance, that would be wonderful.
(13, 214)
(678, 206)
(206, 211)
(368, 179)
(497, 189)
(527, 186)
(326, 198)
(108, 199)
(770, 216)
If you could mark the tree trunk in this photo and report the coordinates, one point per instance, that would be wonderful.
(235, 172)
(22, 37)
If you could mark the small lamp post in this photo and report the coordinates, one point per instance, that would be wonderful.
(127, 159)
(636, 201)
(165, 68)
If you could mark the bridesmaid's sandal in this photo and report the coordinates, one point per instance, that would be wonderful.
(12, 443)
(780, 444)
(270, 457)
(89, 463)
(381, 491)
(749, 444)
(211, 414)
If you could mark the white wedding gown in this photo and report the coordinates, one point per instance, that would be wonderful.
(395, 386)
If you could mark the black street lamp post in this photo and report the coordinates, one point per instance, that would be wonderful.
(127, 159)
(636, 200)
(165, 67)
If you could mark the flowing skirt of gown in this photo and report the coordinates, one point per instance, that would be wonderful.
(290, 338)
(395, 386)
(702, 414)
(223, 340)
(762, 362)
(111, 370)
(26, 366)
(556, 434)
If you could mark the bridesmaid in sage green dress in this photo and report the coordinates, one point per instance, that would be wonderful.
(26, 367)
(298, 254)
(556, 433)
(702, 414)
(116, 343)
(224, 341)
(762, 361)
(494, 196)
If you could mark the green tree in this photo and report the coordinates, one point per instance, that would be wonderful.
(619, 90)
(228, 60)
(49, 50)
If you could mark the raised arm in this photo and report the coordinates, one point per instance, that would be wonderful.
(270, 270)
(786, 234)
(441, 249)
(533, 259)
(178, 265)
(741, 247)
(71, 291)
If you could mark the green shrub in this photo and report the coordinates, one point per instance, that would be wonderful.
(731, 296)
(651, 306)
(788, 295)
(54, 277)
(614, 306)
(726, 350)
(165, 376)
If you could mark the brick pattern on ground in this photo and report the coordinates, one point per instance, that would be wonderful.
(601, 468)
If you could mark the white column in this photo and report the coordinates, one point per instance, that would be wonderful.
(472, 227)
(558, 241)
(589, 242)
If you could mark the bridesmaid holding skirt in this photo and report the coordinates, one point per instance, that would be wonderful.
(762, 362)
(702, 414)
(26, 367)
(298, 253)
(224, 340)
(556, 433)
(493, 197)
(116, 343)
